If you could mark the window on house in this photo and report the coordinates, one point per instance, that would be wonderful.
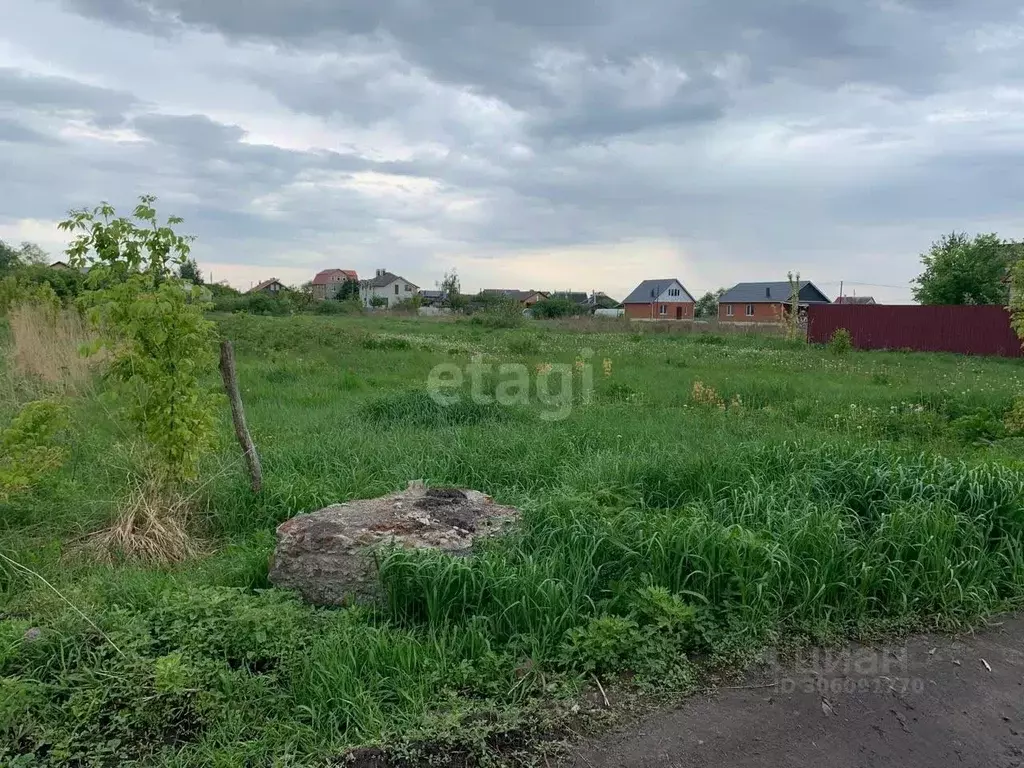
(662, 310)
(408, 289)
(396, 289)
(674, 292)
(728, 310)
(750, 310)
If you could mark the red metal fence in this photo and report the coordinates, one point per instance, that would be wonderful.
(969, 330)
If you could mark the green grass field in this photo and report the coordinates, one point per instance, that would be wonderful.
(827, 496)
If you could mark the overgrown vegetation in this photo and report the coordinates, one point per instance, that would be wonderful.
(152, 326)
(554, 307)
(841, 342)
(959, 269)
(716, 494)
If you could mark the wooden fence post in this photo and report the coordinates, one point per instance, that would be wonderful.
(227, 372)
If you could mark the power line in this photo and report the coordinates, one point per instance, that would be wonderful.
(906, 287)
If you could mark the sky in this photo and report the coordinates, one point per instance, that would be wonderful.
(548, 144)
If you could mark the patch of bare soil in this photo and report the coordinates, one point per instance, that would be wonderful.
(927, 702)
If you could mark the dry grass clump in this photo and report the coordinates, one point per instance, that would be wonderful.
(46, 344)
(704, 394)
(152, 528)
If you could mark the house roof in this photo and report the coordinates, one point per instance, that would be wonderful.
(855, 300)
(584, 299)
(264, 284)
(385, 279)
(576, 297)
(326, 276)
(763, 293)
(432, 294)
(512, 293)
(64, 265)
(649, 290)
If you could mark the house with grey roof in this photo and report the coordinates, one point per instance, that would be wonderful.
(587, 301)
(665, 299)
(386, 290)
(766, 302)
(522, 298)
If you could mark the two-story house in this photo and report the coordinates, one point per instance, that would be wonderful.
(329, 282)
(386, 290)
(664, 299)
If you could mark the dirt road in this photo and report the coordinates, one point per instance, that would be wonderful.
(929, 702)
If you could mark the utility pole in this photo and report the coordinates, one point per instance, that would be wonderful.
(840, 290)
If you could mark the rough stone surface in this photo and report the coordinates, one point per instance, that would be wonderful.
(328, 555)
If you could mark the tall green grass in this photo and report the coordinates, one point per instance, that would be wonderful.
(820, 540)
(832, 496)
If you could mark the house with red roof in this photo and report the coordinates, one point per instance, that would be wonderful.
(328, 282)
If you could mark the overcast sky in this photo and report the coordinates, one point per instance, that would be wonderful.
(555, 144)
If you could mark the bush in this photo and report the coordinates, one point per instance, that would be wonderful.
(1014, 419)
(346, 307)
(28, 448)
(408, 306)
(256, 304)
(67, 284)
(556, 307)
(841, 342)
(524, 345)
(502, 314)
(981, 426)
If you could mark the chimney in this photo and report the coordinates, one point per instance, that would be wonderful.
(767, 291)
(381, 272)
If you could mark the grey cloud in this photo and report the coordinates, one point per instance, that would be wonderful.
(484, 43)
(58, 95)
(498, 49)
(194, 132)
(556, 123)
(16, 132)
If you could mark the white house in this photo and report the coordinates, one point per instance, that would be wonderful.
(387, 286)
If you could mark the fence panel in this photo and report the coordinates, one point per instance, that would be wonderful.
(969, 330)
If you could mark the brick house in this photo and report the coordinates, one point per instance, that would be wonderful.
(327, 283)
(664, 299)
(765, 302)
(387, 286)
(271, 287)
